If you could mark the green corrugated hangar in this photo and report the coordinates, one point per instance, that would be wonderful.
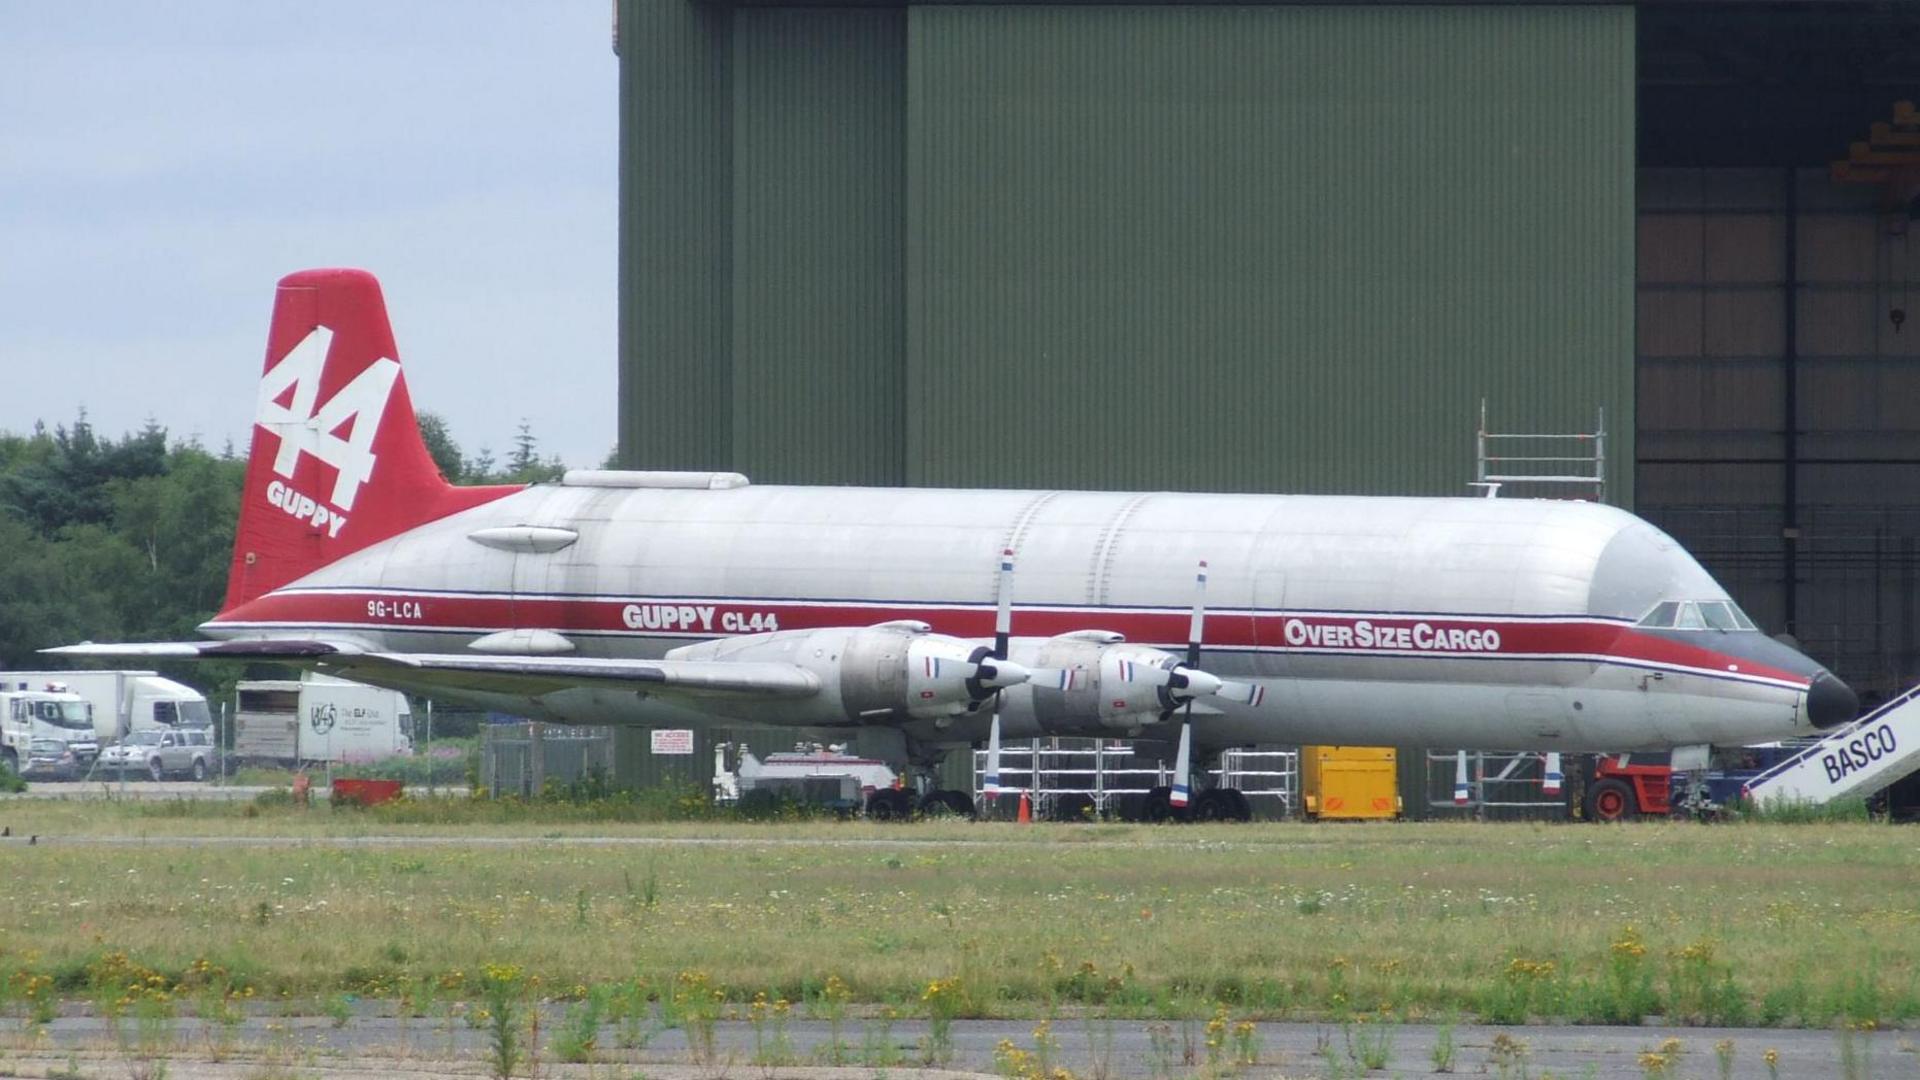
(1274, 247)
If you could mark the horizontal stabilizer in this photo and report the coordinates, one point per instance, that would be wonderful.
(291, 650)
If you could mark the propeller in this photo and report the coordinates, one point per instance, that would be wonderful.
(1186, 681)
(1196, 682)
(992, 664)
(1166, 685)
(1460, 790)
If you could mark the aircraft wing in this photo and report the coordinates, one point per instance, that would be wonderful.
(544, 674)
(530, 675)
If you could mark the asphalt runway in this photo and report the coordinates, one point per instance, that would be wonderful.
(1089, 1047)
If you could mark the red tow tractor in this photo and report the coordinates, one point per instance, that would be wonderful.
(1619, 791)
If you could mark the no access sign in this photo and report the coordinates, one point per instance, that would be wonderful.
(673, 740)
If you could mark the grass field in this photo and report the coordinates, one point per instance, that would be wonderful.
(1731, 924)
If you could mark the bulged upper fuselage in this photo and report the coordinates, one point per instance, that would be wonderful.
(1491, 623)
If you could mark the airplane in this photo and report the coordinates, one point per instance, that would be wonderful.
(698, 598)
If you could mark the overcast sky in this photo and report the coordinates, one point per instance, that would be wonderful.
(163, 164)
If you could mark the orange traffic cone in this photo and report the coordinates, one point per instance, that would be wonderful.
(1026, 809)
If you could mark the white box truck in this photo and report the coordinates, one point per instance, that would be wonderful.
(318, 718)
(128, 701)
(42, 712)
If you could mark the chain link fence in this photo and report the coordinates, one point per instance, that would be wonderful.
(524, 759)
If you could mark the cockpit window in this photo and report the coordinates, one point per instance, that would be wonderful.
(1720, 615)
(1697, 615)
(1662, 615)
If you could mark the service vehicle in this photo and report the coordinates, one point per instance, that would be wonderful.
(43, 710)
(827, 777)
(318, 718)
(129, 701)
(161, 754)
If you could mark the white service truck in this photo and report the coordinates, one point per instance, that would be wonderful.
(810, 773)
(318, 718)
(43, 710)
(128, 701)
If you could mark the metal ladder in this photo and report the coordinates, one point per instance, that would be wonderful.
(1558, 462)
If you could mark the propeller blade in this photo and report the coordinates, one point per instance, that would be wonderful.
(1460, 794)
(1199, 616)
(993, 752)
(1242, 693)
(1003, 618)
(1555, 778)
(1182, 763)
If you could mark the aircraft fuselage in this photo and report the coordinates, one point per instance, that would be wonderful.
(1485, 623)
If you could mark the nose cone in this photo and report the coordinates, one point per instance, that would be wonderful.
(998, 674)
(1831, 702)
(1199, 683)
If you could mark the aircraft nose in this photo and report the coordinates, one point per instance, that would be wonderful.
(1831, 702)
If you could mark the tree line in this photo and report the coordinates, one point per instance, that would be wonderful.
(128, 539)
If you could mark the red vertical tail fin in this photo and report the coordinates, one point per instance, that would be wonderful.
(337, 462)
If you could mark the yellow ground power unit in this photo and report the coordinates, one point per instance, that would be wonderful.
(1349, 782)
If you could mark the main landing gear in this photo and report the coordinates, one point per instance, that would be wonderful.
(902, 804)
(1213, 804)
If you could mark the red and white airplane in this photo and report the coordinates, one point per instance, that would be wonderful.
(690, 598)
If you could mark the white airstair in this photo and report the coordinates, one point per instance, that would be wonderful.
(1861, 758)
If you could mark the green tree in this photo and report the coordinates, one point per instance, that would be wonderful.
(131, 539)
(440, 445)
(524, 465)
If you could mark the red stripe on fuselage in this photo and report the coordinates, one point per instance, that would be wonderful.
(1438, 636)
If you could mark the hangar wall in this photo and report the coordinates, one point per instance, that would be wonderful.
(1268, 248)
(818, 302)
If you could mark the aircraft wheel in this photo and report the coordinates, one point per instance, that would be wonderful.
(889, 804)
(1158, 806)
(946, 803)
(1222, 804)
(1074, 807)
(1611, 800)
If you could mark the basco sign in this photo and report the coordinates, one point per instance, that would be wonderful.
(1858, 752)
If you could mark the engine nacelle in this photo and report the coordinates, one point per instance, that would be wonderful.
(865, 672)
(1095, 678)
